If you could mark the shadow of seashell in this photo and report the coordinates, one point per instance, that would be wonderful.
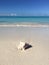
(27, 46)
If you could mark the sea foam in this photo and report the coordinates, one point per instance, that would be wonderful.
(24, 25)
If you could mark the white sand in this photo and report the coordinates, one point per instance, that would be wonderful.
(37, 37)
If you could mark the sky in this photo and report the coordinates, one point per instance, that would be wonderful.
(24, 7)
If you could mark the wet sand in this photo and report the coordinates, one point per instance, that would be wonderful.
(37, 37)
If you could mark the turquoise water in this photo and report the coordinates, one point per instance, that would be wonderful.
(24, 19)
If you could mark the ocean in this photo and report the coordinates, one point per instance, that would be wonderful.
(24, 20)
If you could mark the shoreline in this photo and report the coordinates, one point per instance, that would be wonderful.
(24, 25)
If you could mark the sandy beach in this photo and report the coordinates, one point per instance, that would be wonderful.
(37, 37)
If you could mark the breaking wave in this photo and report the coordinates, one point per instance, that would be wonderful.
(24, 25)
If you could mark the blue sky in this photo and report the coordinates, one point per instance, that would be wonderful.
(24, 7)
